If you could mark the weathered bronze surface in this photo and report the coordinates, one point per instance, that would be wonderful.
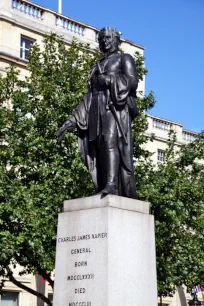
(103, 119)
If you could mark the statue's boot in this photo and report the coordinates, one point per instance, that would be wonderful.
(110, 189)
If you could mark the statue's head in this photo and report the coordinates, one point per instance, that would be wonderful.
(109, 40)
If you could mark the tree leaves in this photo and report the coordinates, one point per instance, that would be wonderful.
(175, 191)
(37, 173)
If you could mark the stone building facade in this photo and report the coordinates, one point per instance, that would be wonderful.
(159, 128)
(21, 23)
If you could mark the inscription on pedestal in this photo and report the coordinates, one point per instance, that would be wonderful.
(79, 259)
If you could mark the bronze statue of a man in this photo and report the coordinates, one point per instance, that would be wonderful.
(103, 119)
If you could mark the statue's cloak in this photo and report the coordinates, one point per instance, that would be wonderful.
(122, 94)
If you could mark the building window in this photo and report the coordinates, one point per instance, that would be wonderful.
(9, 298)
(25, 46)
(160, 156)
(50, 297)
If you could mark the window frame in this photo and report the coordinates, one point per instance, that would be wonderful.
(160, 156)
(11, 291)
(23, 50)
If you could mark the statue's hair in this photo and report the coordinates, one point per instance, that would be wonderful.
(115, 35)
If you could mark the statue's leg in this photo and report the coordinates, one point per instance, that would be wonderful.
(128, 184)
(101, 173)
(111, 163)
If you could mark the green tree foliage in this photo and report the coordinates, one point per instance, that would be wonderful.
(175, 191)
(37, 173)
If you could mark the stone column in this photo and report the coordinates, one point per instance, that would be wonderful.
(105, 253)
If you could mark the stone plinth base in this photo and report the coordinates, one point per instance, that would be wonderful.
(105, 253)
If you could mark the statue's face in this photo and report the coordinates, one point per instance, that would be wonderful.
(106, 41)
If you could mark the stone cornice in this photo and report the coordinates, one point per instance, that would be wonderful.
(8, 58)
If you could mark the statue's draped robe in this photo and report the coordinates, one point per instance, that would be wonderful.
(92, 113)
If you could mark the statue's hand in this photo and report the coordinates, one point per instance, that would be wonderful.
(104, 80)
(68, 126)
(60, 134)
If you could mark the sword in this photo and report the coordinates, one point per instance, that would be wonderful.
(113, 110)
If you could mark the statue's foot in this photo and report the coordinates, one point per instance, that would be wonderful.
(109, 189)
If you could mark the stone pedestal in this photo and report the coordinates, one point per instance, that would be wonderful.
(105, 253)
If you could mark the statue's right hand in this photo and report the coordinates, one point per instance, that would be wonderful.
(68, 126)
(60, 134)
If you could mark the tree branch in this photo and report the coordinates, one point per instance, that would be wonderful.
(40, 270)
(46, 276)
(20, 285)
